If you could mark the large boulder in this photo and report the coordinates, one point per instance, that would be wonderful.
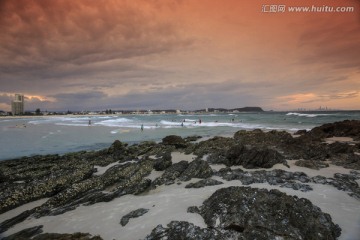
(174, 140)
(171, 174)
(163, 162)
(263, 214)
(253, 157)
(258, 137)
(133, 214)
(188, 231)
(347, 128)
(196, 169)
(316, 165)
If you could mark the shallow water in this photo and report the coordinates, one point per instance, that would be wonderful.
(49, 135)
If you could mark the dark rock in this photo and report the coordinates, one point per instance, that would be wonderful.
(196, 169)
(343, 182)
(297, 186)
(174, 140)
(170, 174)
(212, 145)
(5, 225)
(351, 161)
(262, 139)
(117, 147)
(193, 209)
(300, 132)
(192, 138)
(186, 231)
(163, 162)
(339, 147)
(218, 158)
(66, 236)
(274, 177)
(203, 183)
(25, 234)
(320, 179)
(263, 214)
(310, 150)
(316, 165)
(253, 157)
(134, 214)
(347, 128)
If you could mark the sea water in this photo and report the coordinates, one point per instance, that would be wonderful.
(60, 134)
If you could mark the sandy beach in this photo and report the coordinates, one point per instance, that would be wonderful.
(169, 202)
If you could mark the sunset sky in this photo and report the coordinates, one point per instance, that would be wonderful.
(179, 54)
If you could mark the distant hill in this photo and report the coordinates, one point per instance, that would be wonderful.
(244, 109)
(249, 109)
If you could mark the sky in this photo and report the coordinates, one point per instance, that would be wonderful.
(179, 54)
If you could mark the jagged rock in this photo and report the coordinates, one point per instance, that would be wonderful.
(343, 182)
(192, 138)
(297, 186)
(66, 236)
(188, 231)
(212, 145)
(34, 178)
(320, 179)
(36, 234)
(262, 139)
(163, 162)
(253, 157)
(300, 132)
(204, 183)
(308, 150)
(339, 147)
(262, 214)
(274, 177)
(5, 225)
(117, 147)
(134, 214)
(347, 128)
(351, 161)
(196, 169)
(25, 234)
(311, 164)
(174, 140)
(171, 173)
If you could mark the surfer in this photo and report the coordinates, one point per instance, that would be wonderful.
(142, 127)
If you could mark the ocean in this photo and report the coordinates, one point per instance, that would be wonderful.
(61, 134)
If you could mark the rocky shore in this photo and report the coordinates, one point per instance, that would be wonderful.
(229, 168)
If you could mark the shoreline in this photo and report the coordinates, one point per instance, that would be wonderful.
(101, 187)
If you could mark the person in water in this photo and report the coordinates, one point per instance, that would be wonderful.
(89, 122)
(142, 127)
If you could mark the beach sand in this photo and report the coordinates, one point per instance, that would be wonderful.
(168, 203)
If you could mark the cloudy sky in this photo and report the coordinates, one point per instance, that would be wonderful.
(182, 54)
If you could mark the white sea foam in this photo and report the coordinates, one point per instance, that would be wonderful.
(118, 122)
(307, 114)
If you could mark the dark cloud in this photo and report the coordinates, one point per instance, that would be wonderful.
(333, 41)
(41, 36)
(6, 98)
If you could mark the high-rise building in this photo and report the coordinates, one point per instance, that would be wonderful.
(17, 105)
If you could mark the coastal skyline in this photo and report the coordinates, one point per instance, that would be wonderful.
(157, 54)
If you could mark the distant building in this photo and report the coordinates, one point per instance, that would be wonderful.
(17, 105)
